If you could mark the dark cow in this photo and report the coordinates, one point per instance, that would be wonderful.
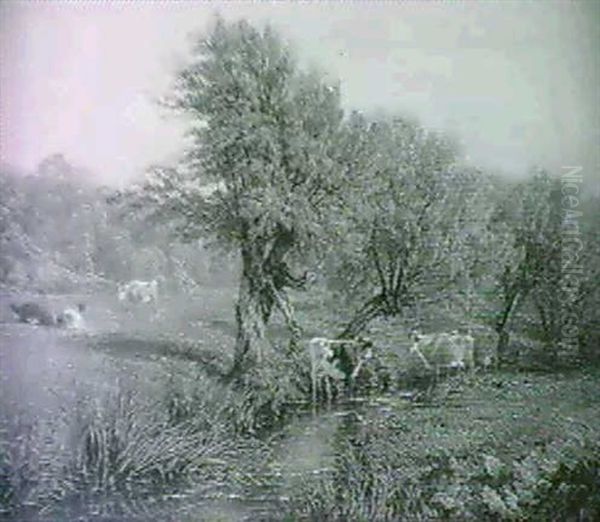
(32, 313)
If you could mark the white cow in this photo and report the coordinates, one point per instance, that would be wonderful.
(320, 351)
(324, 366)
(139, 291)
(71, 318)
(464, 349)
(444, 350)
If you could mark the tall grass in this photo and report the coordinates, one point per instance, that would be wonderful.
(119, 443)
(124, 441)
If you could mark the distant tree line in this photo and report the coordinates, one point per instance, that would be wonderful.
(59, 233)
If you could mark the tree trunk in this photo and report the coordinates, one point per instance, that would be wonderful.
(372, 309)
(550, 335)
(502, 348)
(503, 337)
(285, 307)
(250, 328)
(265, 276)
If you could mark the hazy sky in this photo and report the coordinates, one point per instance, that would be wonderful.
(518, 83)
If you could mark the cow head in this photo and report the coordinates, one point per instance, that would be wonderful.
(414, 337)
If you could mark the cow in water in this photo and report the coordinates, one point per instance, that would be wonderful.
(337, 361)
(71, 318)
(32, 313)
(139, 292)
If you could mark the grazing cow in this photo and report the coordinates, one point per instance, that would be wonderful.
(335, 360)
(139, 291)
(443, 350)
(32, 313)
(71, 318)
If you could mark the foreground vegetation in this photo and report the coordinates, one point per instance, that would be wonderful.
(501, 447)
(125, 445)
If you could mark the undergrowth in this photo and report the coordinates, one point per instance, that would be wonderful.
(494, 460)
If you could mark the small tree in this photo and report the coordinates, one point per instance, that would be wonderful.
(406, 212)
(525, 227)
(567, 288)
(583, 289)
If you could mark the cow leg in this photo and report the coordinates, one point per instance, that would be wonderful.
(313, 377)
(328, 391)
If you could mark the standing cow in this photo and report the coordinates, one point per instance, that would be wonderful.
(337, 360)
(322, 366)
(444, 350)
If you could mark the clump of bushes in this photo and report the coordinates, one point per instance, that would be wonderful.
(266, 395)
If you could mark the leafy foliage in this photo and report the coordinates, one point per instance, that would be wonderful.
(409, 212)
(58, 233)
(265, 134)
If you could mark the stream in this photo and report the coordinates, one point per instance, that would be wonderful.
(45, 371)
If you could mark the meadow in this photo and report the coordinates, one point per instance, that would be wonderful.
(130, 420)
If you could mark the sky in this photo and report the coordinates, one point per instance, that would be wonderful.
(515, 82)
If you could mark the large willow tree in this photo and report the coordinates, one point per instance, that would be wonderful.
(265, 133)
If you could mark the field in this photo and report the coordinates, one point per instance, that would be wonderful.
(128, 421)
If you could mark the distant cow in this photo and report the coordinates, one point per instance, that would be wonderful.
(444, 350)
(71, 318)
(139, 291)
(32, 313)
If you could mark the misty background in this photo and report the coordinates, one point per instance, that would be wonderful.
(514, 82)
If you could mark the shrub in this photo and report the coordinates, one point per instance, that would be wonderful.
(266, 395)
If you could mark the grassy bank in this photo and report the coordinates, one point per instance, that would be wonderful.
(499, 447)
(150, 418)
